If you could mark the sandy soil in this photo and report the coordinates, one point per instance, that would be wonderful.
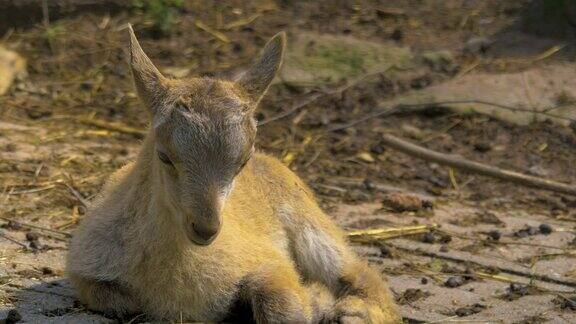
(50, 157)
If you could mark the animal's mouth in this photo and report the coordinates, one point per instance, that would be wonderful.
(202, 238)
(199, 241)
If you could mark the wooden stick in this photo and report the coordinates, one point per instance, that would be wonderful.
(23, 192)
(380, 234)
(314, 95)
(5, 236)
(76, 194)
(475, 167)
(216, 34)
(112, 126)
(406, 108)
(506, 242)
(36, 226)
(503, 269)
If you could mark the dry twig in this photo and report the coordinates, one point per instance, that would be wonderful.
(13, 240)
(76, 194)
(240, 22)
(375, 235)
(36, 226)
(476, 167)
(404, 108)
(216, 34)
(112, 126)
(503, 269)
(314, 95)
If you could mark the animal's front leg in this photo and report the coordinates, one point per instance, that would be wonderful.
(106, 297)
(364, 297)
(277, 296)
(323, 254)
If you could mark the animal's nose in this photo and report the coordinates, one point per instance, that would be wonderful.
(206, 233)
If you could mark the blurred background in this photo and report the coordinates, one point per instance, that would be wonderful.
(491, 81)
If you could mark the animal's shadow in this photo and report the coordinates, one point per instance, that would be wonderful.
(55, 302)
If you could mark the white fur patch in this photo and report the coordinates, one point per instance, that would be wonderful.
(315, 251)
(286, 214)
(226, 193)
(317, 255)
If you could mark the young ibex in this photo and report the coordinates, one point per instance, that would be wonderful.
(199, 221)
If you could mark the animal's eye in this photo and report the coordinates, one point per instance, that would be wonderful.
(244, 164)
(245, 161)
(164, 158)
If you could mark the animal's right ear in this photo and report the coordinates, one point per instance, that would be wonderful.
(258, 78)
(150, 83)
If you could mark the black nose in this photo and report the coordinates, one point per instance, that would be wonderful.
(206, 233)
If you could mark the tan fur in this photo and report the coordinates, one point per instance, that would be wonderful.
(192, 237)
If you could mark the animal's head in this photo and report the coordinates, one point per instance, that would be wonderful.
(203, 132)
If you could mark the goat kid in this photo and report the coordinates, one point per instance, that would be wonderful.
(200, 221)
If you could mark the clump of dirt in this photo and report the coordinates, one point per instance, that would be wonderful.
(401, 202)
(469, 310)
(566, 302)
(515, 291)
(411, 295)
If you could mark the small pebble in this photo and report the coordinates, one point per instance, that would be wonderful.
(47, 271)
(35, 245)
(516, 290)
(368, 184)
(32, 236)
(428, 238)
(12, 225)
(477, 45)
(13, 317)
(424, 280)
(517, 287)
(482, 147)
(397, 35)
(385, 251)
(464, 311)
(567, 302)
(469, 274)
(377, 149)
(411, 295)
(545, 229)
(471, 310)
(454, 282)
(527, 231)
(444, 248)
(445, 239)
(494, 235)
(427, 204)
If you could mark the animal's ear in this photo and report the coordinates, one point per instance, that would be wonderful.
(258, 78)
(150, 83)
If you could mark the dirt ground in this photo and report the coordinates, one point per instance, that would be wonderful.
(500, 252)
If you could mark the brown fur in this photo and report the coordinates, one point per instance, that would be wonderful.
(216, 224)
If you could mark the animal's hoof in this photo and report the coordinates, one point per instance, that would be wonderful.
(351, 320)
(350, 310)
(354, 310)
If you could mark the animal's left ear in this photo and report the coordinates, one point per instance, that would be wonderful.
(150, 83)
(258, 78)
